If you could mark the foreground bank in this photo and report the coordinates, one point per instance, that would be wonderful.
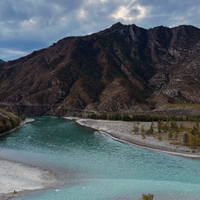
(123, 131)
(17, 179)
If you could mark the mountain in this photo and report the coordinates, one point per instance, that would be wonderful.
(1, 61)
(124, 68)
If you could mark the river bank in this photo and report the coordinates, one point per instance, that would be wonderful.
(20, 125)
(123, 132)
(22, 178)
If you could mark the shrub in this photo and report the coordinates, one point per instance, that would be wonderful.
(135, 128)
(23, 117)
(2, 128)
(185, 139)
(147, 197)
(143, 135)
(170, 135)
(14, 122)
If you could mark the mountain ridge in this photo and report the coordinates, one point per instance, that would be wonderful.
(1, 61)
(124, 68)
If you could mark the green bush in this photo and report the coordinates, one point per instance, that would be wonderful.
(23, 117)
(2, 128)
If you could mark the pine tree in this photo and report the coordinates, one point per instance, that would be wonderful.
(182, 126)
(143, 135)
(173, 124)
(142, 128)
(194, 130)
(159, 126)
(170, 135)
(176, 135)
(185, 139)
(177, 129)
(151, 129)
(192, 140)
(165, 127)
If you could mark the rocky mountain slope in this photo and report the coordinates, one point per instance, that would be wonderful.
(124, 69)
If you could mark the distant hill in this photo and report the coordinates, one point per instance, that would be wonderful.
(124, 68)
(1, 61)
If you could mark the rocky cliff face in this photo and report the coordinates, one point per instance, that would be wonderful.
(121, 69)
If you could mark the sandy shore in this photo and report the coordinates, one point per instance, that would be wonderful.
(123, 131)
(22, 178)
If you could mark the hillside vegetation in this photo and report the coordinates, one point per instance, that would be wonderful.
(9, 121)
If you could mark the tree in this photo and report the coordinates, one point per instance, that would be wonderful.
(185, 139)
(135, 128)
(177, 129)
(159, 126)
(14, 122)
(192, 140)
(151, 129)
(104, 116)
(194, 130)
(198, 142)
(147, 197)
(142, 128)
(2, 128)
(176, 135)
(197, 122)
(7, 124)
(182, 127)
(170, 134)
(165, 127)
(143, 135)
(173, 124)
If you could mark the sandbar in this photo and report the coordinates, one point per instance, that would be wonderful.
(22, 179)
(123, 131)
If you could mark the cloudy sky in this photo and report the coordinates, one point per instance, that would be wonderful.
(28, 25)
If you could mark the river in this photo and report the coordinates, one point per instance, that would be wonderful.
(91, 166)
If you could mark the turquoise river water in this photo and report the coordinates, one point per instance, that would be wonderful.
(91, 166)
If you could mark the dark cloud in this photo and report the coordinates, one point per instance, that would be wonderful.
(27, 25)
